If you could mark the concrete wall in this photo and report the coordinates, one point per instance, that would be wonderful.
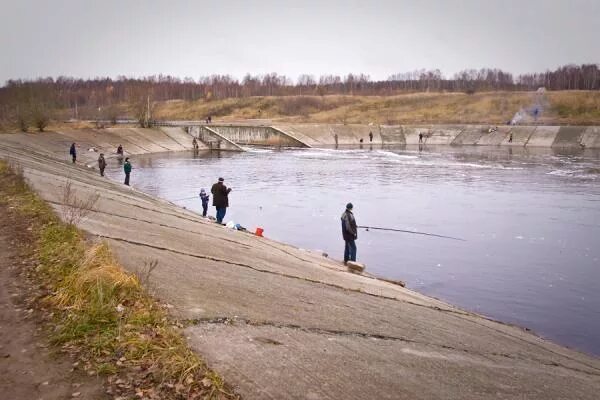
(534, 136)
(257, 135)
(134, 141)
(591, 137)
(569, 136)
(470, 135)
(543, 136)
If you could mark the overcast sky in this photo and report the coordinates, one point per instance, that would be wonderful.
(194, 38)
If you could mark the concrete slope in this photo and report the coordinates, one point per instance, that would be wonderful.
(591, 137)
(520, 135)
(470, 135)
(181, 137)
(279, 322)
(543, 136)
(392, 134)
(569, 136)
(160, 138)
(442, 134)
(324, 134)
(134, 142)
(495, 138)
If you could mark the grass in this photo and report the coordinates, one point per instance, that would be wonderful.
(563, 107)
(103, 314)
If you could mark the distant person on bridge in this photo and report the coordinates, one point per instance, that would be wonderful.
(349, 233)
(101, 164)
(127, 170)
(220, 194)
(204, 197)
(73, 153)
(120, 150)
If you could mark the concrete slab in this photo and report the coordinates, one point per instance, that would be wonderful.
(569, 136)
(265, 361)
(391, 134)
(181, 137)
(411, 133)
(591, 137)
(158, 137)
(495, 138)
(520, 135)
(442, 135)
(279, 322)
(543, 136)
(470, 135)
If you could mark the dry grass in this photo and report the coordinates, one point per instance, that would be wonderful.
(564, 107)
(104, 315)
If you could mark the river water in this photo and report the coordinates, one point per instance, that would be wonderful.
(530, 219)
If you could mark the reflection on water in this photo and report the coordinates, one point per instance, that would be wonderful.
(530, 217)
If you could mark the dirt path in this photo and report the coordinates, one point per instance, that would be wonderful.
(28, 367)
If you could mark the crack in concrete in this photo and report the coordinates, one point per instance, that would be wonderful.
(366, 335)
(211, 258)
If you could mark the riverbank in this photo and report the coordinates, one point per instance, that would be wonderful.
(120, 340)
(277, 321)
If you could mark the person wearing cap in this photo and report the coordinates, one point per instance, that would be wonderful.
(220, 194)
(204, 197)
(350, 233)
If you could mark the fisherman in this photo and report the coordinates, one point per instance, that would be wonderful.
(420, 137)
(127, 169)
(204, 197)
(370, 136)
(195, 143)
(120, 150)
(335, 137)
(220, 194)
(349, 233)
(73, 152)
(101, 164)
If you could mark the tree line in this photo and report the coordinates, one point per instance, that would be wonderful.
(31, 99)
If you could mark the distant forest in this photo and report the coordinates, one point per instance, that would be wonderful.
(36, 97)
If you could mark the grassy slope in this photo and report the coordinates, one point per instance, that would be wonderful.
(101, 313)
(564, 107)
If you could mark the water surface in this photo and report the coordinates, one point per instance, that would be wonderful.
(530, 218)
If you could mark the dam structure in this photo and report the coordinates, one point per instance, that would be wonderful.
(276, 321)
(226, 136)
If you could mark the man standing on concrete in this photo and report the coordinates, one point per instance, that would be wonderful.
(370, 136)
(220, 194)
(73, 152)
(350, 234)
(127, 169)
(101, 164)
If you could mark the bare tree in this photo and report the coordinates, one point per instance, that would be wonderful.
(75, 208)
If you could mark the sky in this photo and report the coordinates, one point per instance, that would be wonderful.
(87, 39)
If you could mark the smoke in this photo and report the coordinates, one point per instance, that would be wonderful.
(534, 111)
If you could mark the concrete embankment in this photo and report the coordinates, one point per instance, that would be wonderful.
(532, 136)
(135, 141)
(278, 322)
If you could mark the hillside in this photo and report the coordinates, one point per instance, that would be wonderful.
(557, 108)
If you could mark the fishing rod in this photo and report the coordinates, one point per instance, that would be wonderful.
(186, 198)
(413, 232)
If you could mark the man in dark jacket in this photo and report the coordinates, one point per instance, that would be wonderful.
(127, 170)
(101, 164)
(73, 153)
(220, 194)
(350, 234)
